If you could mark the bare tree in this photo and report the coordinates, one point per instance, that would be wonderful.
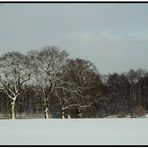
(47, 64)
(81, 86)
(14, 72)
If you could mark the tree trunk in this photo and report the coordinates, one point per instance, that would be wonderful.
(62, 114)
(13, 115)
(69, 117)
(46, 113)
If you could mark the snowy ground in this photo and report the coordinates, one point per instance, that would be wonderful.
(74, 132)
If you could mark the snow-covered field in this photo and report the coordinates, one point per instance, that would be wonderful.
(74, 132)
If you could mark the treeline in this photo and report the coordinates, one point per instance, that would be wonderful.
(127, 94)
(46, 83)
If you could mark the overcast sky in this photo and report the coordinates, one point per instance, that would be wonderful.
(113, 36)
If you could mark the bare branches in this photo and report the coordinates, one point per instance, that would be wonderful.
(25, 80)
(79, 86)
(77, 105)
(47, 64)
(74, 82)
(14, 73)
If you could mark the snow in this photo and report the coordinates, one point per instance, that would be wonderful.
(74, 132)
(145, 116)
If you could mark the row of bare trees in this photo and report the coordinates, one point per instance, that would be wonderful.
(73, 83)
(48, 82)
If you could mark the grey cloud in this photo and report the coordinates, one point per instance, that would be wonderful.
(113, 36)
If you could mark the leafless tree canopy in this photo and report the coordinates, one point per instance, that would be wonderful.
(47, 83)
(14, 72)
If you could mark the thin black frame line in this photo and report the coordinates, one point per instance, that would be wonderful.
(78, 2)
(73, 145)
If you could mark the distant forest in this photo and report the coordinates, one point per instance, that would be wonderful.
(47, 83)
